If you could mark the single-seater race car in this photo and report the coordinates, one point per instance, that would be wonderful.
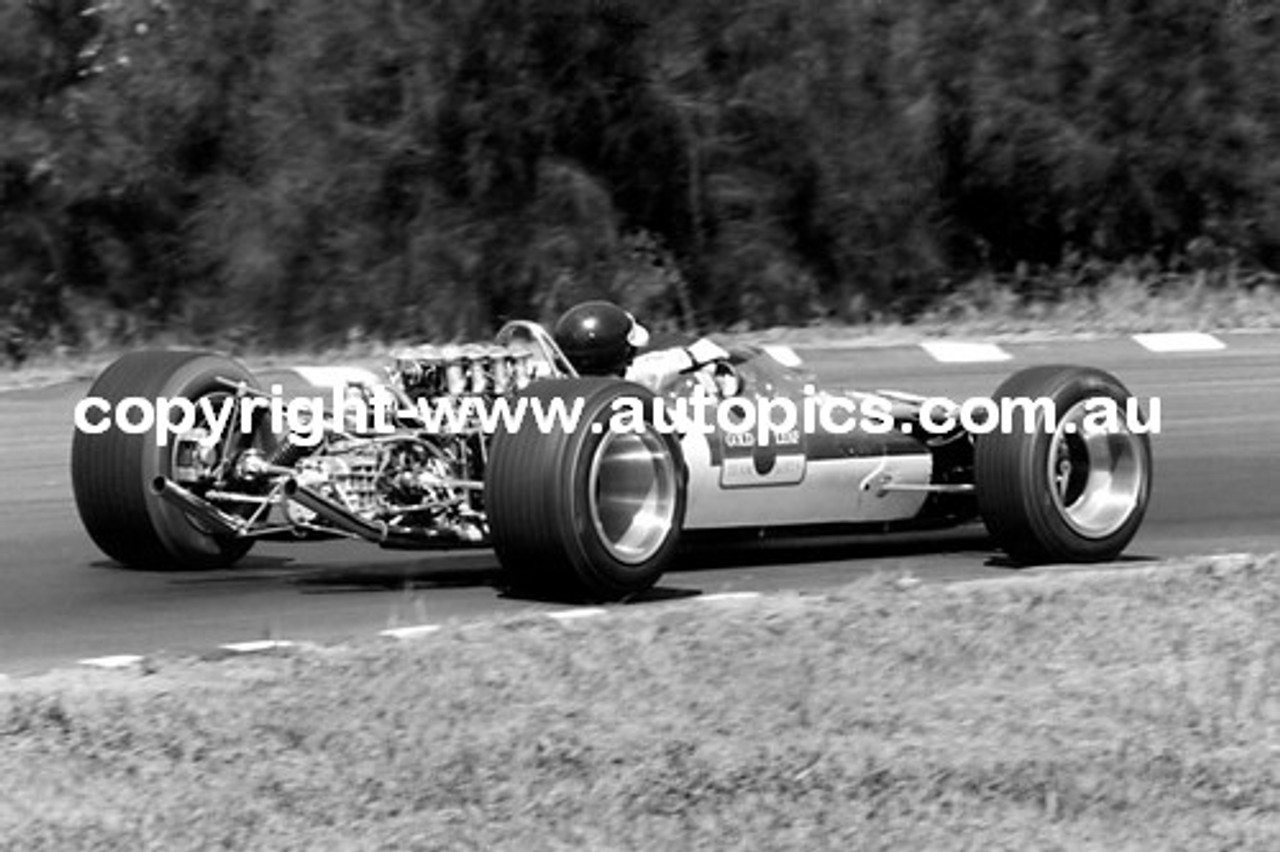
(589, 509)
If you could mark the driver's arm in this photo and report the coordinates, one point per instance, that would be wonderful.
(655, 369)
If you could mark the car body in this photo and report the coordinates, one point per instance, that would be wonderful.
(593, 511)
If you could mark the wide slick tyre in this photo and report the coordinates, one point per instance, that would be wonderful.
(588, 513)
(1068, 491)
(112, 472)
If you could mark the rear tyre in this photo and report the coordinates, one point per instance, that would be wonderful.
(112, 472)
(589, 513)
(1073, 494)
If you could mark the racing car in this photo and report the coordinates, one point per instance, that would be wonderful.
(593, 512)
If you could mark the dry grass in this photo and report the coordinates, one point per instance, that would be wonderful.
(1132, 710)
(1121, 304)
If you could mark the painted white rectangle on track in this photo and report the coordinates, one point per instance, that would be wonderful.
(575, 614)
(964, 352)
(258, 646)
(412, 632)
(1179, 341)
(331, 377)
(729, 597)
(115, 661)
(784, 355)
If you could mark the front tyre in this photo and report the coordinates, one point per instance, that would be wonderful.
(585, 513)
(1071, 493)
(112, 472)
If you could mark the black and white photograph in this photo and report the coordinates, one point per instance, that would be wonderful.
(639, 425)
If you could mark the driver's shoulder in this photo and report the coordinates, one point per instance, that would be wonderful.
(654, 368)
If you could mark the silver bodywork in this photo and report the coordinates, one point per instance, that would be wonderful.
(416, 488)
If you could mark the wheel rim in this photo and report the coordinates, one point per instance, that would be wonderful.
(632, 494)
(191, 460)
(1097, 477)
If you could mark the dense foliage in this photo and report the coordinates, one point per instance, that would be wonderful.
(287, 170)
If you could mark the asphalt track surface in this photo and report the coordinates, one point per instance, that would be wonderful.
(1217, 490)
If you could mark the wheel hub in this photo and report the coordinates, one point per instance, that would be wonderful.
(1097, 474)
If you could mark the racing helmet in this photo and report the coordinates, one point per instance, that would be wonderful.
(599, 338)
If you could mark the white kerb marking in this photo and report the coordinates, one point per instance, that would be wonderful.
(722, 597)
(413, 632)
(576, 614)
(257, 647)
(116, 661)
(337, 377)
(1179, 341)
(962, 352)
(784, 355)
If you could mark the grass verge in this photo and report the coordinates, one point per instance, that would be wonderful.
(1122, 710)
(1122, 303)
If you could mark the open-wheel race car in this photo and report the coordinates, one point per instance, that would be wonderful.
(594, 511)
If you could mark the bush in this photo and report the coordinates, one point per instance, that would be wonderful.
(297, 169)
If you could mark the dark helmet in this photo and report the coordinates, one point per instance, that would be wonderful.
(599, 338)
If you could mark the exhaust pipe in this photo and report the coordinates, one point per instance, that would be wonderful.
(217, 521)
(337, 515)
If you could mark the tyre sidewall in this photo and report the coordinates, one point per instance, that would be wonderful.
(112, 471)
(1054, 538)
(537, 494)
(592, 554)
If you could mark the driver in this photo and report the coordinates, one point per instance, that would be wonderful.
(601, 339)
